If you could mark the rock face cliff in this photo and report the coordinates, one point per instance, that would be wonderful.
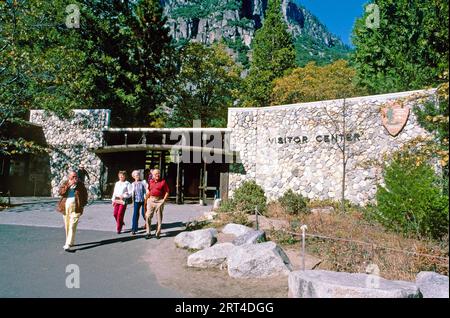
(206, 21)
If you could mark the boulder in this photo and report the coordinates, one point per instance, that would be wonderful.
(198, 240)
(251, 237)
(258, 261)
(328, 284)
(433, 285)
(210, 257)
(236, 229)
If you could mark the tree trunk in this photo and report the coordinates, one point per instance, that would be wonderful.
(344, 159)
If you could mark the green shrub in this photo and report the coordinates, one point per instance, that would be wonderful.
(294, 203)
(227, 206)
(249, 195)
(412, 200)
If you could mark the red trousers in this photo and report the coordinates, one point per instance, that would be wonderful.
(119, 213)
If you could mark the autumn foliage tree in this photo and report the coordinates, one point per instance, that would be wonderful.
(314, 83)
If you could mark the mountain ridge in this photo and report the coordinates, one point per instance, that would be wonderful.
(236, 21)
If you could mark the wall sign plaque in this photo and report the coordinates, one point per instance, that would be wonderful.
(394, 117)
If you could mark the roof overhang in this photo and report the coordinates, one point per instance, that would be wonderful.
(168, 130)
(148, 147)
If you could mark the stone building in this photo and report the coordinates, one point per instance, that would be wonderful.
(300, 146)
(296, 147)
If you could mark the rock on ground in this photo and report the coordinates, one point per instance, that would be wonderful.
(198, 240)
(251, 237)
(258, 261)
(236, 229)
(211, 257)
(433, 285)
(328, 284)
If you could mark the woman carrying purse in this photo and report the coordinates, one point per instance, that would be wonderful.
(120, 199)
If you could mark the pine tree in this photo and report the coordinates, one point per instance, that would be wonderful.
(273, 54)
(152, 56)
(131, 49)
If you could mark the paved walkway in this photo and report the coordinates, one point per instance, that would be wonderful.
(33, 262)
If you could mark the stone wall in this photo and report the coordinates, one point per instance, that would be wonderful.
(70, 140)
(298, 146)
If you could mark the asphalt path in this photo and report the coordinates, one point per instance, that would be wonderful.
(34, 264)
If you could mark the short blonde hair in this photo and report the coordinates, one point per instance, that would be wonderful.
(154, 171)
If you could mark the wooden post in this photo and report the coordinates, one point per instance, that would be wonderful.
(182, 182)
(205, 183)
(303, 228)
(224, 185)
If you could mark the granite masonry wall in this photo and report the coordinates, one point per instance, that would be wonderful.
(70, 140)
(298, 146)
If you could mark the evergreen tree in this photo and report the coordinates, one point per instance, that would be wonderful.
(273, 53)
(409, 48)
(131, 49)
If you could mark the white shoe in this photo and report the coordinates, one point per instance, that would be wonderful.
(66, 247)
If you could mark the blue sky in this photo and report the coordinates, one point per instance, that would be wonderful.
(338, 15)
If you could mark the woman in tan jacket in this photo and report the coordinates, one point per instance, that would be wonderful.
(73, 199)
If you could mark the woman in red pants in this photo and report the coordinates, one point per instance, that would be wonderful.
(120, 198)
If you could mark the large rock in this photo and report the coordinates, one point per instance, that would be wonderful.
(236, 229)
(251, 237)
(198, 240)
(210, 257)
(258, 261)
(433, 285)
(327, 284)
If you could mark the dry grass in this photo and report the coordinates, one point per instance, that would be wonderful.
(237, 217)
(354, 257)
